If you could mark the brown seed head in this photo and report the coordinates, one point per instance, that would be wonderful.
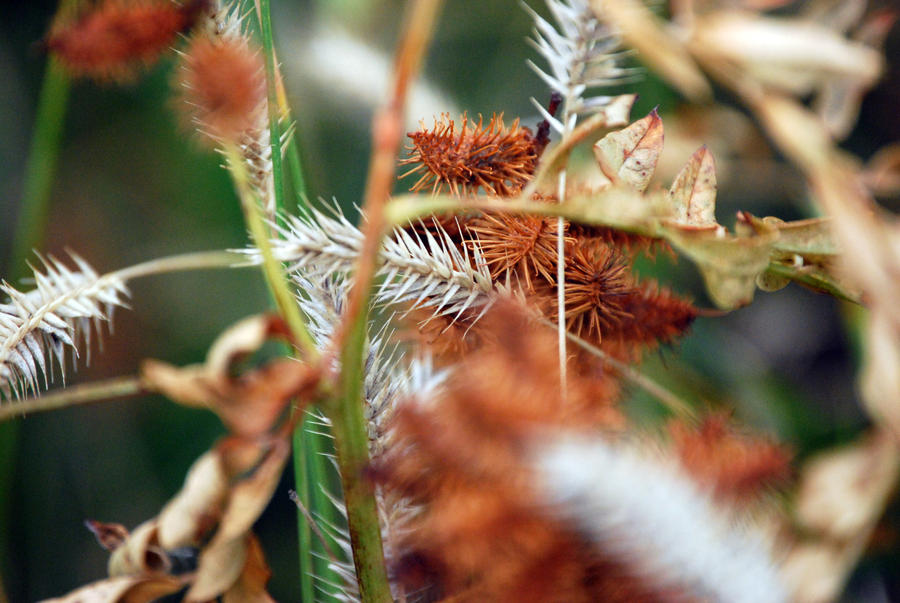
(224, 86)
(494, 158)
(115, 39)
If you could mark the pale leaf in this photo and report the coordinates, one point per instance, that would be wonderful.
(140, 553)
(198, 505)
(693, 193)
(630, 155)
(251, 585)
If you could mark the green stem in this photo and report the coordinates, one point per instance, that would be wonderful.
(265, 22)
(304, 533)
(352, 445)
(40, 169)
(276, 279)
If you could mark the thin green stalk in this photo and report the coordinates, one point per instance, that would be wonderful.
(40, 168)
(265, 22)
(276, 279)
(304, 533)
(352, 446)
(310, 472)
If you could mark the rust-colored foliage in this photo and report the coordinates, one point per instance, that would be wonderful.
(113, 40)
(494, 158)
(481, 535)
(223, 84)
(739, 467)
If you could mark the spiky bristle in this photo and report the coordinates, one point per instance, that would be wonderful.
(493, 158)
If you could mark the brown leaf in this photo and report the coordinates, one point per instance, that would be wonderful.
(693, 193)
(249, 404)
(251, 586)
(187, 518)
(630, 155)
(223, 559)
(140, 553)
(109, 535)
(124, 589)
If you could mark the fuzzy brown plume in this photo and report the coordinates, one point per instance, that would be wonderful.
(113, 40)
(223, 84)
(737, 466)
(494, 158)
(481, 534)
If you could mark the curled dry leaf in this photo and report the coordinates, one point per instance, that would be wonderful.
(223, 559)
(140, 554)
(124, 589)
(251, 585)
(248, 404)
(630, 155)
(197, 507)
(109, 535)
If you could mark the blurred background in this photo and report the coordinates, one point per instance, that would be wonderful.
(132, 185)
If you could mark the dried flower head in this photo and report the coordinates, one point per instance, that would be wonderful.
(223, 83)
(116, 38)
(517, 248)
(737, 466)
(494, 158)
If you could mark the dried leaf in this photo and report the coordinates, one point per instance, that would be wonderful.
(222, 560)
(630, 155)
(109, 535)
(140, 553)
(789, 54)
(219, 567)
(249, 404)
(842, 492)
(693, 193)
(195, 509)
(251, 586)
(124, 589)
(841, 496)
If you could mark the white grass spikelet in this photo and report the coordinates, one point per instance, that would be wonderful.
(38, 327)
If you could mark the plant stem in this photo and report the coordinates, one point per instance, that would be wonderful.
(273, 271)
(40, 169)
(348, 422)
(308, 448)
(75, 395)
(265, 23)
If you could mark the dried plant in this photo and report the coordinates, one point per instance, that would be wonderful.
(486, 459)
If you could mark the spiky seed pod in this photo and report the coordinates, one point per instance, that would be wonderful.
(737, 466)
(653, 316)
(517, 248)
(223, 84)
(493, 158)
(597, 280)
(118, 37)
